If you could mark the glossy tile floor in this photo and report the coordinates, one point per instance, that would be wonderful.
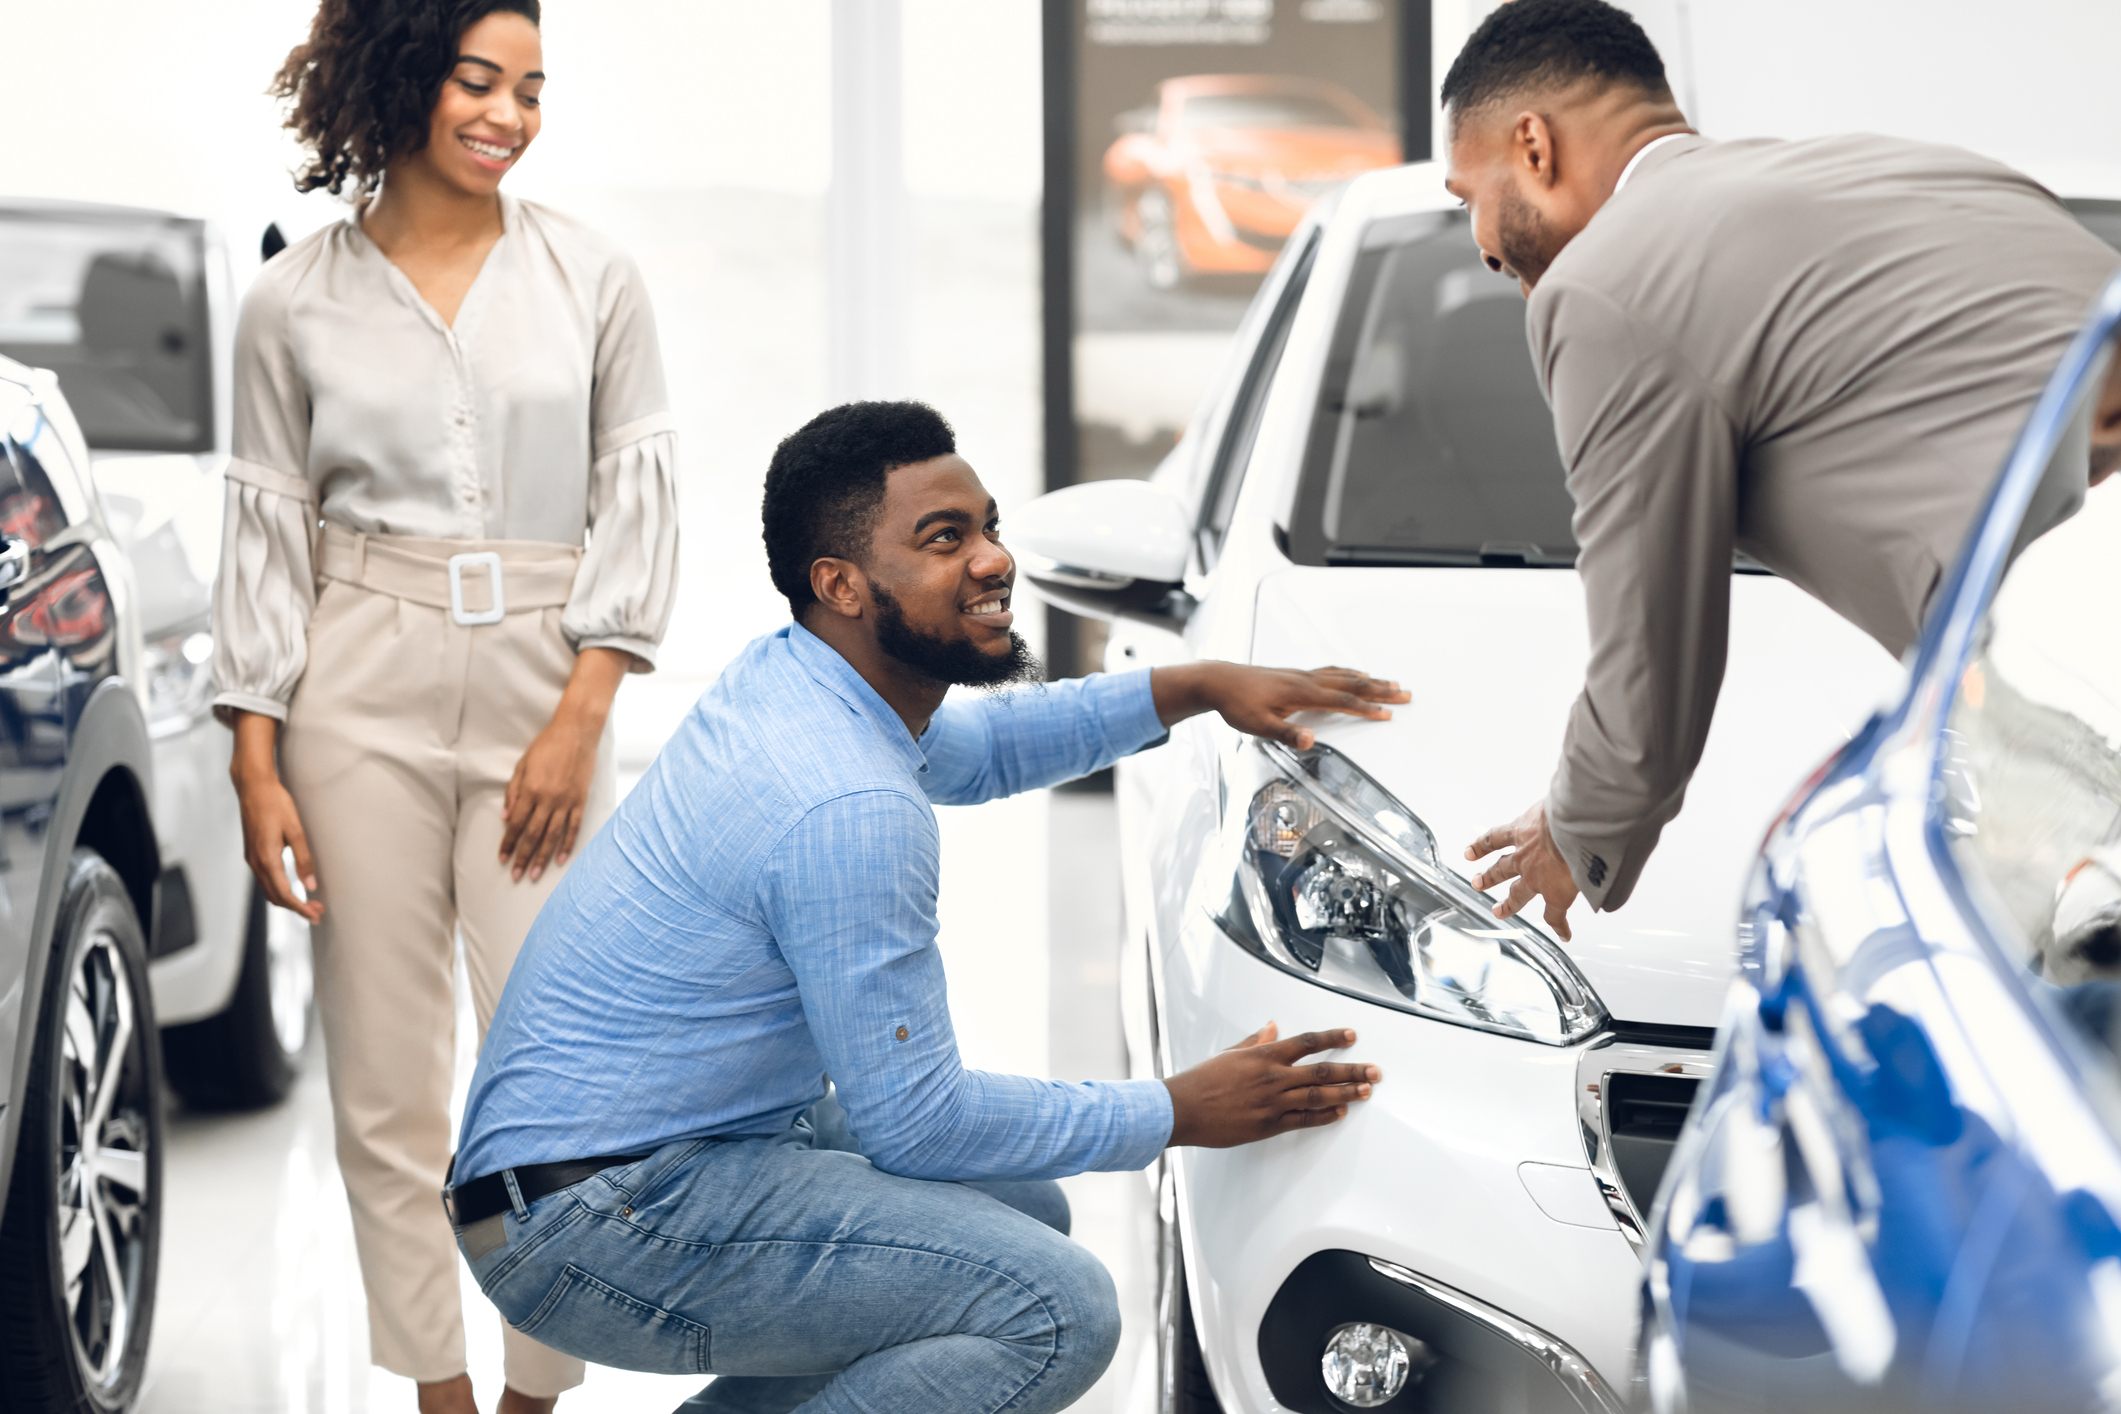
(261, 1309)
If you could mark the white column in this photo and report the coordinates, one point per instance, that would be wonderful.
(866, 216)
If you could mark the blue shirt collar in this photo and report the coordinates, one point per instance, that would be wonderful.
(825, 665)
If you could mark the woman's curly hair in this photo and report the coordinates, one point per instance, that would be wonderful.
(363, 86)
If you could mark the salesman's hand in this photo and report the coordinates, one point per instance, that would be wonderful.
(1535, 864)
(1256, 1089)
(1261, 700)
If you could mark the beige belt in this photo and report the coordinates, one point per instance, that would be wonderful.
(478, 581)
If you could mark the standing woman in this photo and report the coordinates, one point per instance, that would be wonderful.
(438, 399)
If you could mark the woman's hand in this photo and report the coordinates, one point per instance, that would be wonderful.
(271, 824)
(542, 810)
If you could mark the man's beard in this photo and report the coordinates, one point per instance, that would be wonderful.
(959, 662)
(1528, 244)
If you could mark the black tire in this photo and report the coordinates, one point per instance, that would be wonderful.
(247, 1056)
(1182, 1385)
(93, 1208)
(1156, 249)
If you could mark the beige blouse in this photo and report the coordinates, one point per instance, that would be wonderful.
(541, 415)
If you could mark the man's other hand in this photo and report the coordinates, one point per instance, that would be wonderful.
(1256, 1089)
(1533, 863)
(1261, 700)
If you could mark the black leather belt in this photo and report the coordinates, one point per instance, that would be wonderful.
(481, 1198)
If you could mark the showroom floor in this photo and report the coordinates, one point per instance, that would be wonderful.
(261, 1309)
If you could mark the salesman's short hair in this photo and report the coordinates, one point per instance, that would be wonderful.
(1532, 45)
(826, 485)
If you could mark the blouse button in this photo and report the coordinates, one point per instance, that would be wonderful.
(900, 1033)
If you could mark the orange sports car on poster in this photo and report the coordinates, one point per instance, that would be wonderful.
(1214, 177)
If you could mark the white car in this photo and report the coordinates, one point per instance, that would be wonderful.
(134, 310)
(1374, 484)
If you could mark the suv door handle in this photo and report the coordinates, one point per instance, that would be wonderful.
(14, 561)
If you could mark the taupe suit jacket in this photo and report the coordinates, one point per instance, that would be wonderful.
(1816, 352)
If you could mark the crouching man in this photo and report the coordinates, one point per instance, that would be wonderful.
(652, 1173)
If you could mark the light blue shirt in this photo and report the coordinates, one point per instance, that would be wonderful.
(760, 914)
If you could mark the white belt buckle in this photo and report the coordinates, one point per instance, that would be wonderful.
(490, 561)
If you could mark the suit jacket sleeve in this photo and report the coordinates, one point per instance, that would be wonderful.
(1652, 458)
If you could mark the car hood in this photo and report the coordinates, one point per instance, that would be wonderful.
(1495, 657)
(165, 510)
(1296, 153)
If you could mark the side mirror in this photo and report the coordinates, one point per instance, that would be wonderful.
(1107, 550)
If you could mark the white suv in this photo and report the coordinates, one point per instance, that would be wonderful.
(134, 311)
(1374, 483)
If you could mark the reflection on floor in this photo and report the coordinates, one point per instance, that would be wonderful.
(261, 1309)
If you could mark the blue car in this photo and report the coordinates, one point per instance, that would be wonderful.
(1901, 1187)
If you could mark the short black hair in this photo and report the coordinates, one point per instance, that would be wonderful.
(826, 485)
(1550, 44)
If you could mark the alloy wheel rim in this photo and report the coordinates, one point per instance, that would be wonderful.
(289, 975)
(1159, 242)
(103, 1166)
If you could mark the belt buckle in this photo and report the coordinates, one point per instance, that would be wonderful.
(490, 561)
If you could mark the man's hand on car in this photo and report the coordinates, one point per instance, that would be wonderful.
(1256, 1089)
(1533, 861)
(1261, 700)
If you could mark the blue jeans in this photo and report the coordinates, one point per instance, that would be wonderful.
(802, 1277)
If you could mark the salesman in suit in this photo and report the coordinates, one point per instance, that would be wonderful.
(1815, 352)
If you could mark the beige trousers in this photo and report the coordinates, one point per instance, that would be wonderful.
(398, 748)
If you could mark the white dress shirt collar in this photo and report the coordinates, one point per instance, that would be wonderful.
(1636, 161)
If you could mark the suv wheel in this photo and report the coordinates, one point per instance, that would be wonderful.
(1157, 245)
(82, 1231)
(247, 1057)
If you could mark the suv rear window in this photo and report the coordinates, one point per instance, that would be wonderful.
(1432, 444)
(115, 304)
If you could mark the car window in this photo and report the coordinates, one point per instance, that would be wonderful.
(1263, 110)
(2032, 765)
(1431, 443)
(1241, 429)
(2101, 218)
(116, 306)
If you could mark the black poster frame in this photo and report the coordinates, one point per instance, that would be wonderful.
(1059, 30)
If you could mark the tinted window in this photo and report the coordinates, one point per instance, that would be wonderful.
(2101, 218)
(1264, 110)
(1431, 443)
(116, 306)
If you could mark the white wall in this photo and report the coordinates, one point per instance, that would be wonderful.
(2033, 81)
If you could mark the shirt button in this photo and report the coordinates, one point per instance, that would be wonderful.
(900, 1033)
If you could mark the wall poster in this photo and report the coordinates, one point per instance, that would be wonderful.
(1184, 141)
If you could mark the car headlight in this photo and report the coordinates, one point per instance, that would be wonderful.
(180, 678)
(1338, 883)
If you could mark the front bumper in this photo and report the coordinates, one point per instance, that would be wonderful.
(1424, 1176)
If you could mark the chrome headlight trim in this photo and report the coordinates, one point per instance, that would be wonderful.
(1576, 1374)
(1374, 854)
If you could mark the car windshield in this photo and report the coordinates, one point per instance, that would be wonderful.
(1264, 110)
(2032, 772)
(2101, 218)
(115, 304)
(1431, 443)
